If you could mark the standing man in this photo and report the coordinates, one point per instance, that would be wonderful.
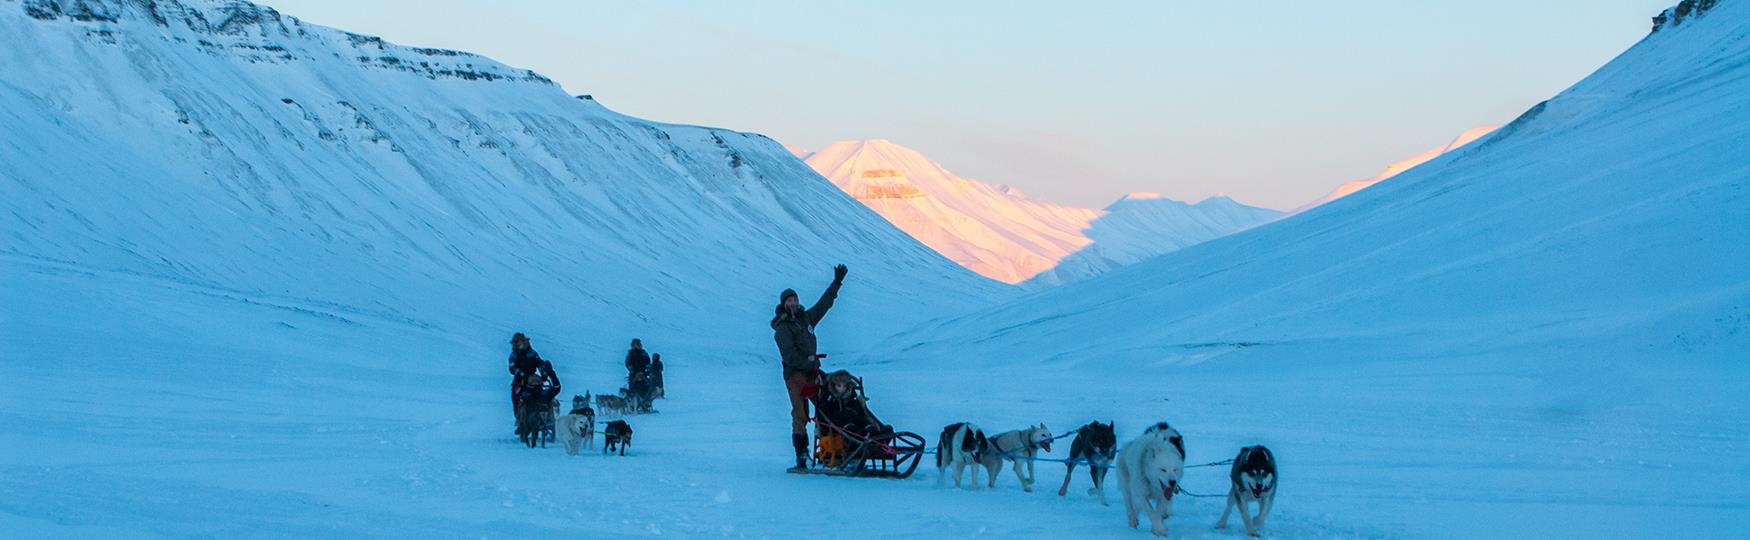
(638, 376)
(524, 361)
(793, 328)
(637, 360)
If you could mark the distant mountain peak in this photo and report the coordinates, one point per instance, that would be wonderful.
(996, 230)
(1685, 10)
(1219, 199)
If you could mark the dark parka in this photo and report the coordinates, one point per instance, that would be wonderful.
(795, 332)
(526, 362)
(637, 360)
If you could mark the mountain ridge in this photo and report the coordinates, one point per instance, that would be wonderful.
(997, 230)
(229, 146)
(1602, 224)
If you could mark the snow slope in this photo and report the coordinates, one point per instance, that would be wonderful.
(1002, 234)
(989, 229)
(1395, 169)
(1143, 225)
(224, 146)
(1609, 216)
(1539, 335)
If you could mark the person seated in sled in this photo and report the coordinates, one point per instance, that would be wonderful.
(839, 404)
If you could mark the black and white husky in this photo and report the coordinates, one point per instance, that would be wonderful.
(1097, 444)
(577, 428)
(1020, 447)
(1254, 480)
(963, 445)
(1149, 470)
(617, 436)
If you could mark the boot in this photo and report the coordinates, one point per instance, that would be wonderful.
(800, 441)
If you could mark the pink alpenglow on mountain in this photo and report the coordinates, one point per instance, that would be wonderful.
(999, 232)
(990, 229)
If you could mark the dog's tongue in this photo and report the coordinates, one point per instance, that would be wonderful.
(1046, 445)
(1167, 492)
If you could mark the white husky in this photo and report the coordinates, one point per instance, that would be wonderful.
(1149, 469)
(963, 445)
(1019, 446)
(577, 428)
(1254, 480)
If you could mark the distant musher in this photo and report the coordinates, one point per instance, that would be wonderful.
(524, 361)
(793, 329)
(638, 386)
(656, 376)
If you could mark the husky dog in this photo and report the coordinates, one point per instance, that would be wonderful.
(1149, 469)
(1020, 447)
(550, 422)
(577, 428)
(618, 435)
(612, 404)
(1254, 480)
(1096, 443)
(537, 422)
(1167, 433)
(963, 445)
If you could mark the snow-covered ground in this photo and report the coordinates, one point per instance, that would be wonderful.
(1540, 336)
(142, 409)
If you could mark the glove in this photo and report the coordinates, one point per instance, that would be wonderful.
(838, 273)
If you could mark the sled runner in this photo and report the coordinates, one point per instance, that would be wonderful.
(875, 451)
(890, 455)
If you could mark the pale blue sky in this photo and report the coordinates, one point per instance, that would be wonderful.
(1272, 102)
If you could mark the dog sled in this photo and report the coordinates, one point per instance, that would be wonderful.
(872, 450)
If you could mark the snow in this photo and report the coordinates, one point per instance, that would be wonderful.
(1538, 335)
(989, 229)
(999, 232)
(1395, 169)
(235, 327)
(1143, 225)
(271, 161)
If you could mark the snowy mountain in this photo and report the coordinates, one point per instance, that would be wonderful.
(989, 229)
(1525, 335)
(229, 149)
(1143, 225)
(1394, 169)
(1609, 217)
(999, 232)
